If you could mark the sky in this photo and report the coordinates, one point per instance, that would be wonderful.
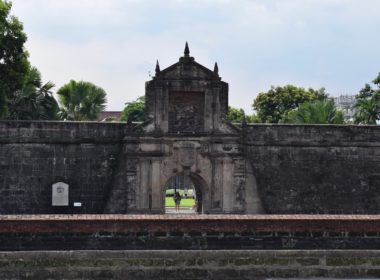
(257, 43)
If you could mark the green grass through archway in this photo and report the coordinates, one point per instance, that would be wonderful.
(185, 202)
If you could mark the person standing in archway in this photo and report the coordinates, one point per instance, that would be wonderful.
(177, 200)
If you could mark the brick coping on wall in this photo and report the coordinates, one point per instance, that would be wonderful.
(188, 223)
(294, 217)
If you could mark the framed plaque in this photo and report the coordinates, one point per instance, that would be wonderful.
(60, 194)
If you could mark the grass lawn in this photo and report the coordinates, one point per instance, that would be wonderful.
(185, 202)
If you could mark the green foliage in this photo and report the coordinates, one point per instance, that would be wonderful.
(252, 119)
(235, 115)
(367, 104)
(81, 101)
(134, 111)
(14, 63)
(273, 106)
(316, 112)
(34, 101)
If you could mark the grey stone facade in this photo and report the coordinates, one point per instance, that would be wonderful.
(120, 168)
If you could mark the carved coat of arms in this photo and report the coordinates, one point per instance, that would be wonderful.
(187, 154)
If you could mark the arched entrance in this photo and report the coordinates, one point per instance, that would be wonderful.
(189, 189)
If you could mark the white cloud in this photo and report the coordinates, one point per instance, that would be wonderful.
(257, 43)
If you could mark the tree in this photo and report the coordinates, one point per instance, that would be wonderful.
(273, 106)
(235, 115)
(252, 118)
(34, 101)
(134, 111)
(316, 112)
(81, 101)
(367, 104)
(14, 63)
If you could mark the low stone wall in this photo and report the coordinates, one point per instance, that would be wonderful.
(194, 265)
(188, 232)
(189, 223)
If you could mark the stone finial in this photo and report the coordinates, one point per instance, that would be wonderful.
(157, 67)
(187, 51)
(216, 69)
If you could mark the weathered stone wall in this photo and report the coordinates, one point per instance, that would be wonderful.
(298, 168)
(316, 168)
(34, 155)
(188, 232)
(201, 265)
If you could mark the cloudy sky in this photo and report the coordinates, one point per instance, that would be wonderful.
(257, 43)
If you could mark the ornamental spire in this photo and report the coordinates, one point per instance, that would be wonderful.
(187, 51)
(216, 69)
(157, 67)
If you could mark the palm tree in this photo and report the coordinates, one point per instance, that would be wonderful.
(81, 101)
(317, 112)
(34, 101)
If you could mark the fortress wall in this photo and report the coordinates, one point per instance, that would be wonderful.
(298, 168)
(34, 155)
(202, 265)
(316, 168)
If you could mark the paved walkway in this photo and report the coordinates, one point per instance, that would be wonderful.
(182, 210)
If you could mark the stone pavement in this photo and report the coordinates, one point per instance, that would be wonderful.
(182, 210)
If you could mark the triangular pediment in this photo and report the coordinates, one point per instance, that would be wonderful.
(187, 68)
(187, 98)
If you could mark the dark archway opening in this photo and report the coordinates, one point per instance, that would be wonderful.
(189, 192)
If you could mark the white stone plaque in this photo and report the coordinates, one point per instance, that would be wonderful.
(60, 194)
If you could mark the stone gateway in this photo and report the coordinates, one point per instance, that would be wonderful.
(185, 133)
(244, 169)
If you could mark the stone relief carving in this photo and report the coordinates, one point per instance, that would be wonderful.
(205, 148)
(186, 111)
(131, 193)
(132, 182)
(239, 165)
(239, 182)
(239, 187)
(187, 154)
(132, 165)
(166, 169)
(183, 119)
